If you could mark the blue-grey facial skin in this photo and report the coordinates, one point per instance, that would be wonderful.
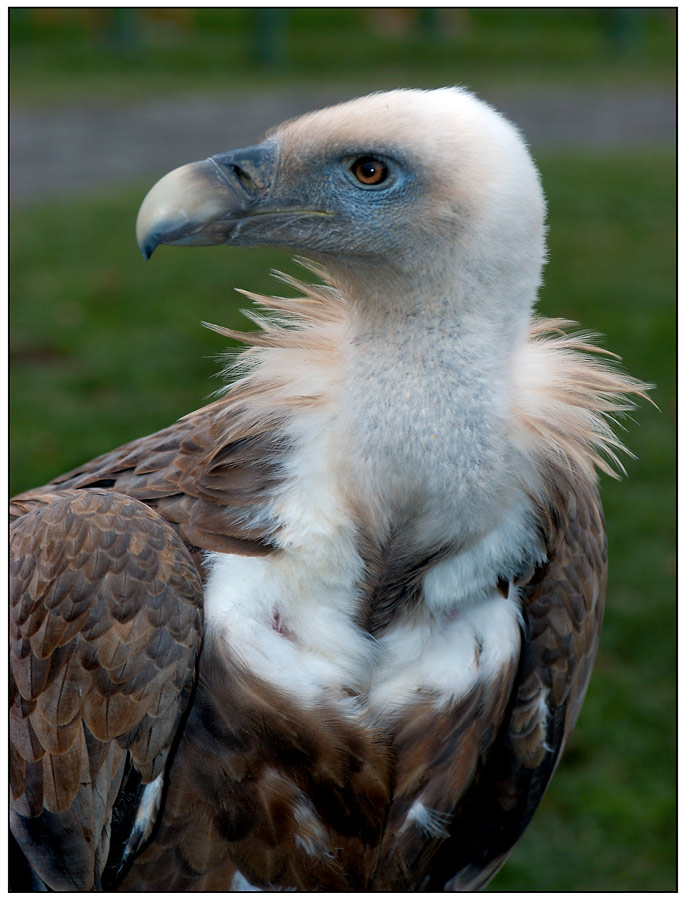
(348, 217)
(253, 197)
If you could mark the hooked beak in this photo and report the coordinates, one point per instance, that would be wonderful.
(204, 203)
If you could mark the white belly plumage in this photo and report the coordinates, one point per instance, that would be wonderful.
(299, 633)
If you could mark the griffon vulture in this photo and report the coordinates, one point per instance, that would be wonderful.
(333, 630)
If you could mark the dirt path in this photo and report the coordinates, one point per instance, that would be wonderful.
(79, 148)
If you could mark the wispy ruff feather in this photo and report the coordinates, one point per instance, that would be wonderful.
(567, 392)
(293, 362)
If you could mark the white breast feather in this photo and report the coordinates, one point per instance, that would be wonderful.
(460, 448)
(447, 655)
(291, 616)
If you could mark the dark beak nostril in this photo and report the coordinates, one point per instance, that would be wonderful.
(251, 168)
(201, 203)
(242, 176)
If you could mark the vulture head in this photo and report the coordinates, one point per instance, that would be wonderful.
(433, 192)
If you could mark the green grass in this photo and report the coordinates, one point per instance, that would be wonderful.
(76, 54)
(106, 348)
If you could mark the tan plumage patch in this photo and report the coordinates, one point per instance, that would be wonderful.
(305, 340)
(567, 392)
(566, 399)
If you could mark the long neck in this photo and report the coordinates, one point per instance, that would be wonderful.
(427, 398)
(487, 302)
(407, 381)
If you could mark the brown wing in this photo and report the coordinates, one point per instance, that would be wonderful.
(208, 483)
(562, 606)
(105, 630)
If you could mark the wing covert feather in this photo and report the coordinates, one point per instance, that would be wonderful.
(105, 629)
(209, 483)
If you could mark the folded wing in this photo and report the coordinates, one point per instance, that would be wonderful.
(106, 622)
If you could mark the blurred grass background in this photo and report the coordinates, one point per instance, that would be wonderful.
(105, 348)
(121, 52)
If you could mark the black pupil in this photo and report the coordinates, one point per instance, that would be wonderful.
(371, 170)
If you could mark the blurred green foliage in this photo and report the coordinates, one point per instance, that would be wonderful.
(131, 52)
(105, 348)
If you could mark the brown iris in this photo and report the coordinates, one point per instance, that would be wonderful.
(370, 171)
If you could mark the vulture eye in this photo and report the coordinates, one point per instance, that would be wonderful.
(370, 171)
